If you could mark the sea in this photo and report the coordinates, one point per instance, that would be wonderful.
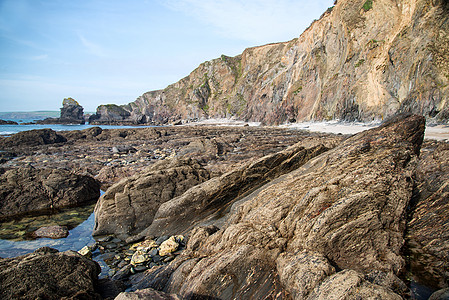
(6, 130)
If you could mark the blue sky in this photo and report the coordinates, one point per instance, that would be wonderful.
(102, 51)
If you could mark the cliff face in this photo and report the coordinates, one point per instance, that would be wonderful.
(362, 60)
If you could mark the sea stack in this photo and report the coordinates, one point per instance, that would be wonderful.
(71, 110)
(71, 113)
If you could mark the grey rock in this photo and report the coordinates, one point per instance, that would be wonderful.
(122, 273)
(153, 252)
(71, 113)
(104, 239)
(53, 232)
(123, 149)
(162, 239)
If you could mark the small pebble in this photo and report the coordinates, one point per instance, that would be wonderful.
(140, 268)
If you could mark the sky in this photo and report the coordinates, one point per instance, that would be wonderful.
(113, 51)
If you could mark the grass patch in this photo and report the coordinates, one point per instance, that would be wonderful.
(359, 63)
(297, 91)
(367, 5)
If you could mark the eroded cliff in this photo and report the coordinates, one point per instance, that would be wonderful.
(362, 60)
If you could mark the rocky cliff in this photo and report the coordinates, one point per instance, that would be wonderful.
(362, 60)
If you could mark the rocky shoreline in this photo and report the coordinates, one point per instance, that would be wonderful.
(246, 212)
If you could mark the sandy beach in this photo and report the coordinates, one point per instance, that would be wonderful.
(433, 132)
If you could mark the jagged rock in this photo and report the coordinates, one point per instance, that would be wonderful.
(71, 110)
(350, 284)
(218, 194)
(71, 113)
(146, 294)
(302, 271)
(351, 64)
(440, 295)
(206, 148)
(33, 138)
(129, 206)
(7, 122)
(428, 229)
(48, 274)
(110, 114)
(25, 190)
(199, 235)
(85, 134)
(319, 232)
(53, 232)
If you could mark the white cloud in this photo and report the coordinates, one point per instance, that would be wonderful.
(257, 21)
(91, 47)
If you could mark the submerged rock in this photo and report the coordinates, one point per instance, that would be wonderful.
(53, 232)
(48, 274)
(317, 232)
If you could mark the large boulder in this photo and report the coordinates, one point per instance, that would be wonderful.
(34, 137)
(27, 189)
(331, 229)
(48, 274)
(129, 206)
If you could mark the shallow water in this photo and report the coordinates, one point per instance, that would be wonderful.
(13, 129)
(80, 221)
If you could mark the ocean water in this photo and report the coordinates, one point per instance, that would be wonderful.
(13, 129)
